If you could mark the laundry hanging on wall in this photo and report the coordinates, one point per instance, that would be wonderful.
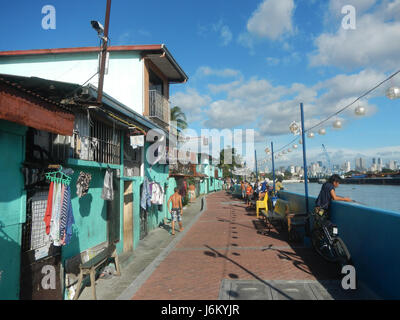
(82, 184)
(108, 191)
(157, 193)
(59, 216)
(145, 200)
(136, 141)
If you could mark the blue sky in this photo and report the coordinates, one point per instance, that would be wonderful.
(251, 63)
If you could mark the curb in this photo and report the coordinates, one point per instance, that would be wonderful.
(129, 292)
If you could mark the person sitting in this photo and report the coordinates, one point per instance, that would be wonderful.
(263, 190)
(327, 194)
(278, 184)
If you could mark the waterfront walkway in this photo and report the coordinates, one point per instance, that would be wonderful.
(223, 256)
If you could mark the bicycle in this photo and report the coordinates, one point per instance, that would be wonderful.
(326, 241)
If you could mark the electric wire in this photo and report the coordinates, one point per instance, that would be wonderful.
(342, 109)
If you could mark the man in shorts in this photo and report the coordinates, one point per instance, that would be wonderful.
(176, 211)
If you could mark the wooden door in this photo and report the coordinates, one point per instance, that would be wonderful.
(128, 216)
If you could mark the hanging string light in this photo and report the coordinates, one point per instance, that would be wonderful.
(322, 131)
(295, 146)
(311, 135)
(360, 111)
(393, 93)
(289, 150)
(337, 124)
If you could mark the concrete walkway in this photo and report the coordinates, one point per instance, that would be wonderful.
(137, 265)
(223, 256)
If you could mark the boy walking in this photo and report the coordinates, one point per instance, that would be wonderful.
(176, 211)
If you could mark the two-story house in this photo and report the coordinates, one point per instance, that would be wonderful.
(135, 100)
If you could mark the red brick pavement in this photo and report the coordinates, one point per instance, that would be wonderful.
(224, 244)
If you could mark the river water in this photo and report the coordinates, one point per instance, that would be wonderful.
(376, 196)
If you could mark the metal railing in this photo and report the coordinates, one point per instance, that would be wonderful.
(158, 106)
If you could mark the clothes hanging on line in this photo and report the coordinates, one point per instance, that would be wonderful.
(59, 217)
(157, 194)
(82, 184)
(67, 218)
(108, 191)
(145, 200)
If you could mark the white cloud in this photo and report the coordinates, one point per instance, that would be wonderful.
(192, 103)
(270, 109)
(373, 43)
(272, 61)
(208, 71)
(272, 19)
(224, 32)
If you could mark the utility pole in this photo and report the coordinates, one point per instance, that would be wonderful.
(255, 158)
(104, 53)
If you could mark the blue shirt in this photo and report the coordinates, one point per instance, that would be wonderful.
(324, 198)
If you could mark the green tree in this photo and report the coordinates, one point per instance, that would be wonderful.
(227, 168)
(179, 117)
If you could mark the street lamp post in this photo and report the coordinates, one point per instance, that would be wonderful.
(273, 165)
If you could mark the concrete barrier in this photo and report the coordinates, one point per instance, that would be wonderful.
(372, 236)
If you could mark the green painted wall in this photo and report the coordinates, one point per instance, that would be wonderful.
(158, 173)
(12, 207)
(90, 212)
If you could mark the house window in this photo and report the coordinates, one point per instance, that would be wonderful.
(98, 141)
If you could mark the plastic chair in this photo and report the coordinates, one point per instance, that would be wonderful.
(262, 204)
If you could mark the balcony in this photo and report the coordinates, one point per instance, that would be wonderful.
(159, 108)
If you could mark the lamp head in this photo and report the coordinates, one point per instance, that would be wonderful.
(97, 26)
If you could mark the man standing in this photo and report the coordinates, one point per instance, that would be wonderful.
(327, 194)
(243, 188)
(176, 210)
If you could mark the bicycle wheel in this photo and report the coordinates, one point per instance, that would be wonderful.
(342, 252)
(321, 246)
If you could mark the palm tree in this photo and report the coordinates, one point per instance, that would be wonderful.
(179, 117)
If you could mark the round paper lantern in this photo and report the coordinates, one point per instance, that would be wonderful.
(360, 111)
(393, 93)
(337, 124)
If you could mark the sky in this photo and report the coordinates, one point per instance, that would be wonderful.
(251, 63)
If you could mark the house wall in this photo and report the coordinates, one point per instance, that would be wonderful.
(90, 211)
(123, 82)
(372, 237)
(12, 207)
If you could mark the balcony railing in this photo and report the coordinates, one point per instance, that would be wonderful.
(158, 106)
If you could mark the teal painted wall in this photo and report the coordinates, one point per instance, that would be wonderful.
(12, 207)
(90, 213)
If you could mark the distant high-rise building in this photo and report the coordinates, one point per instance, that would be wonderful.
(360, 164)
(393, 165)
(379, 165)
(347, 166)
